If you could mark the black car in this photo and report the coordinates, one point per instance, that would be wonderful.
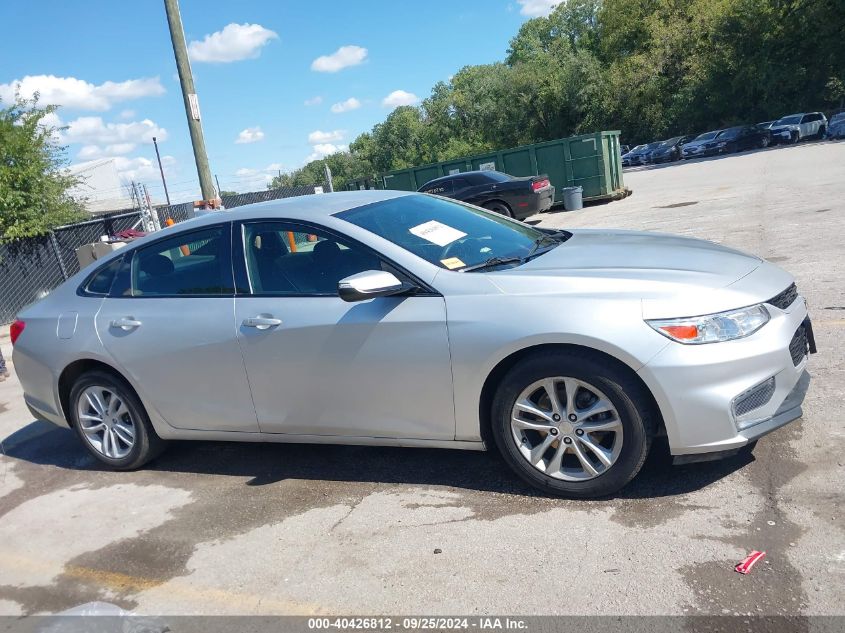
(742, 137)
(670, 149)
(502, 193)
(701, 145)
(640, 155)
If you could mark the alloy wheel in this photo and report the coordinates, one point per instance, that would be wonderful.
(567, 428)
(106, 422)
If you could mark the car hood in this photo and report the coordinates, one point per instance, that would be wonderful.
(660, 269)
(784, 128)
(697, 143)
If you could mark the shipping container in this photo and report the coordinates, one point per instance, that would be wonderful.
(592, 161)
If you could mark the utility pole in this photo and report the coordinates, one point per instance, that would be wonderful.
(328, 176)
(218, 184)
(163, 181)
(192, 106)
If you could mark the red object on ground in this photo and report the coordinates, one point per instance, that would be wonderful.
(745, 566)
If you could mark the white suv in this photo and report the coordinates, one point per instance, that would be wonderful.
(796, 127)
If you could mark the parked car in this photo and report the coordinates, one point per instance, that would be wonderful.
(632, 155)
(494, 190)
(797, 127)
(624, 149)
(640, 155)
(701, 145)
(767, 125)
(836, 126)
(670, 149)
(415, 320)
(742, 137)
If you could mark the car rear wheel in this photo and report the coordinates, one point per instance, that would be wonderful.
(764, 142)
(111, 421)
(499, 207)
(572, 425)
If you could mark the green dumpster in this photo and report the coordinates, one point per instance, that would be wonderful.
(590, 161)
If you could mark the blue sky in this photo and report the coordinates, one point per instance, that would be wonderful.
(267, 73)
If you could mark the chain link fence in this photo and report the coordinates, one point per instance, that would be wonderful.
(31, 268)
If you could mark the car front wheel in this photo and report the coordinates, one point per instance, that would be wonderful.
(111, 421)
(572, 425)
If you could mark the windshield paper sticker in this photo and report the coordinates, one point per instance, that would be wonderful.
(452, 263)
(437, 233)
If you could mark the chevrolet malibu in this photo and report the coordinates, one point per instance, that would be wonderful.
(404, 319)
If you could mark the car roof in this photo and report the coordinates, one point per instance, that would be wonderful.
(312, 205)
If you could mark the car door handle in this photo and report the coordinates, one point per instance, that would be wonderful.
(126, 323)
(261, 323)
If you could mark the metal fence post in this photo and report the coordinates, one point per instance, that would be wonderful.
(55, 244)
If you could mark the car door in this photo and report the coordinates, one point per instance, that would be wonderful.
(464, 190)
(318, 365)
(806, 126)
(168, 323)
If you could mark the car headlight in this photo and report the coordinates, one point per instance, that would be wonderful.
(712, 328)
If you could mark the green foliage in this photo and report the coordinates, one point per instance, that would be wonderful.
(228, 193)
(650, 68)
(33, 184)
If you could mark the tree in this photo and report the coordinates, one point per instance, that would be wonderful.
(34, 187)
(228, 193)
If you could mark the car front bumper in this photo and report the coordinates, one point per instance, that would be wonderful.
(704, 391)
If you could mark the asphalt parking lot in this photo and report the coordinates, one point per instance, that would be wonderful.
(218, 528)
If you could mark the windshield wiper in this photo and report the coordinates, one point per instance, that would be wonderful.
(558, 237)
(493, 261)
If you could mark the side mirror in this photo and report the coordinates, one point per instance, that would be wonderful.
(369, 284)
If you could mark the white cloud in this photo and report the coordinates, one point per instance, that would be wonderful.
(321, 150)
(400, 98)
(345, 106)
(318, 136)
(537, 8)
(234, 43)
(91, 130)
(343, 57)
(140, 168)
(314, 101)
(127, 114)
(77, 93)
(251, 178)
(95, 152)
(250, 135)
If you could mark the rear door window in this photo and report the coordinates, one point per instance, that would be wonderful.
(188, 264)
(442, 188)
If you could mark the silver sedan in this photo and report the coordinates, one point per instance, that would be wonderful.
(402, 319)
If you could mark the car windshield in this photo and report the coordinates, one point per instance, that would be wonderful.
(637, 148)
(706, 136)
(729, 133)
(787, 120)
(838, 118)
(448, 233)
(654, 145)
(670, 142)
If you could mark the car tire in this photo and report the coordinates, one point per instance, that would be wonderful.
(499, 207)
(632, 416)
(126, 439)
(821, 134)
(764, 142)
